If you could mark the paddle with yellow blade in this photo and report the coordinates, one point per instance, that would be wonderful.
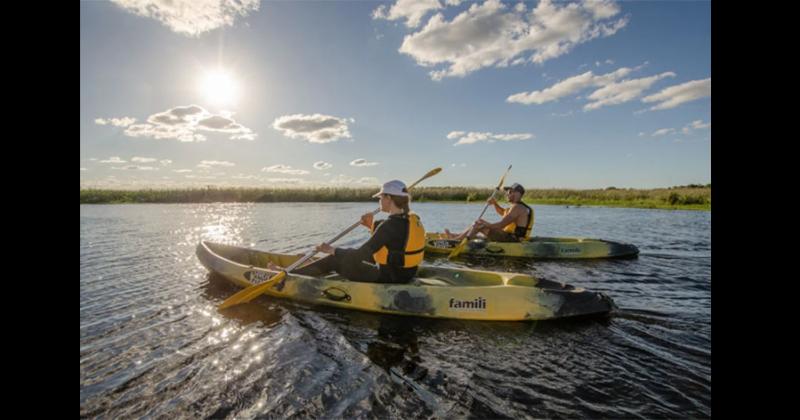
(256, 290)
(460, 247)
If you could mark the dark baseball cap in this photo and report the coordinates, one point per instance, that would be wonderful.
(515, 187)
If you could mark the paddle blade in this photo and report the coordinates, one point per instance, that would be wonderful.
(457, 250)
(252, 292)
(430, 173)
(433, 172)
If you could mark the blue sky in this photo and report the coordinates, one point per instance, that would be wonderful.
(353, 93)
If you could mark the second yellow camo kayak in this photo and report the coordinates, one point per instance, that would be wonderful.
(537, 247)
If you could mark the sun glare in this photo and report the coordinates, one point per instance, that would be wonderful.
(219, 88)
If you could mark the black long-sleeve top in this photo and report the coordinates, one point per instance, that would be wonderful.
(393, 234)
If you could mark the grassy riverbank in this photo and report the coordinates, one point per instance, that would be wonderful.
(692, 197)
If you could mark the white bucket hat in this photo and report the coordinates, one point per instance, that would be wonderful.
(393, 187)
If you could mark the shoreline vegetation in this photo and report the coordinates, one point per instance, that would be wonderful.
(686, 197)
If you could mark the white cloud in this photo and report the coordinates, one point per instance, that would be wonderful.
(184, 123)
(316, 128)
(680, 94)
(182, 171)
(322, 165)
(113, 159)
(454, 165)
(411, 10)
(225, 124)
(165, 162)
(136, 168)
(143, 159)
(511, 137)
(569, 86)
(117, 122)
(363, 162)
(621, 92)
(687, 129)
(210, 163)
(84, 169)
(475, 137)
(284, 169)
(93, 159)
(164, 132)
(663, 132)
(494, 35)
(246, 136)
(641, 133)
(695, 125)
(610, 90)
(191, 17)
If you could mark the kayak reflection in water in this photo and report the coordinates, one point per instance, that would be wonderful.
(515, 226)
(396, 346)
(391, 255)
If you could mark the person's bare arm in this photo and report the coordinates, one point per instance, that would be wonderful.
(507, 219)
(500, 210)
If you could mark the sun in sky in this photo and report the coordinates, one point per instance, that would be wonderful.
(219, 87)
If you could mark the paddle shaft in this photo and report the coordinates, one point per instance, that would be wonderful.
(486, 207)
(313, 252)
(457, 250)
(496, 190)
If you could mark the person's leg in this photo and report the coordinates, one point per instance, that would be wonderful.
(319, 267)
(499, 235)
(353, 269)
(471, 233)
(459, 236)
(348, 266)
(474, 231)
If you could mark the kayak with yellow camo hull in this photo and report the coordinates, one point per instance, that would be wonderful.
(537, 247)
(436, 292)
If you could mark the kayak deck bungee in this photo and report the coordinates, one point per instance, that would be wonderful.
(436, 292)
(537, 247)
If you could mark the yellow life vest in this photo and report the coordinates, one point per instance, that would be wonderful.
(415, 244)
(523, 232)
